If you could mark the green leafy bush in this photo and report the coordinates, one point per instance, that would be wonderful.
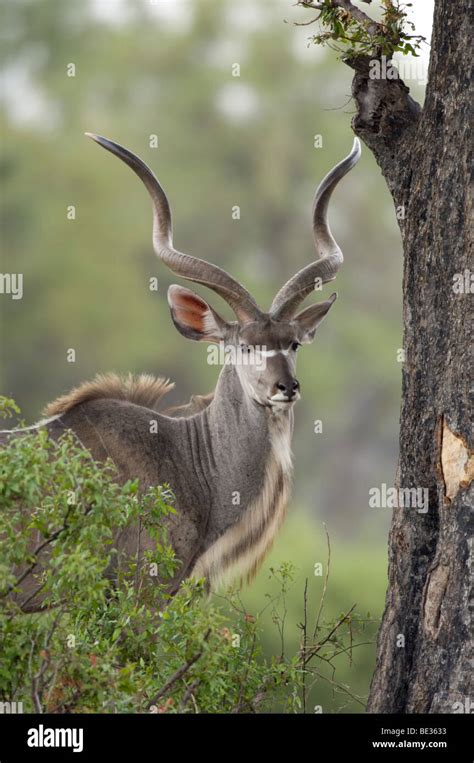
(124, 644)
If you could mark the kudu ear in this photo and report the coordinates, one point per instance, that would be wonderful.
(308, 320)
(193, 317)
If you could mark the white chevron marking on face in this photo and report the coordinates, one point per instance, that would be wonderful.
(272, 353)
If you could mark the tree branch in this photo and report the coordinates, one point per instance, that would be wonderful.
(178, 674)
(387, 117)
(372, 26)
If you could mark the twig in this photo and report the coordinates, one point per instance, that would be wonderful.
(305, 638)
(35, 554)
(349, 649)
(138, 576)
(249, 661)
(315, 649)
(346, 5)
(178, 674)
(189, 693)
(253, 703)
(325, 586)
(37, 680)
(341, 687)
(316, 6)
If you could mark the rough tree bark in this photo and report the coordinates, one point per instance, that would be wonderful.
(424, 640)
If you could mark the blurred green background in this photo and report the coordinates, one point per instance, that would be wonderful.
(165, 69)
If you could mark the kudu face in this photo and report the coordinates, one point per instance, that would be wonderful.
(261, 345)
(263, 351)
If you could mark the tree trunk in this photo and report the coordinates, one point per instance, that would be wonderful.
(422, 659)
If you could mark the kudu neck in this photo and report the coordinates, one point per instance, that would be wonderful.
(234, 412)
(231, 402)
(247, 447)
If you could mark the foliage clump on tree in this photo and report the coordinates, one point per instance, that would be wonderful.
(347, 29)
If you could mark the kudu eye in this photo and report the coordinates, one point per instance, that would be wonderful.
(295, 346)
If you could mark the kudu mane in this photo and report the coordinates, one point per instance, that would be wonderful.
(144, 389)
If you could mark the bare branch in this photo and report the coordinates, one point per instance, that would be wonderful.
(305, 641)
(341, 687)
(315, 649)
(178, 674)
(189, 693)
(325, 586)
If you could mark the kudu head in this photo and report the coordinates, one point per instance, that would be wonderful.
(262, 345)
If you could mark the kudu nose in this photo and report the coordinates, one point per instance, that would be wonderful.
(289, 388)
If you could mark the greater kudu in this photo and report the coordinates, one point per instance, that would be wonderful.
(228, 458)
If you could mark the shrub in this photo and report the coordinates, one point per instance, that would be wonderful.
(123, 645)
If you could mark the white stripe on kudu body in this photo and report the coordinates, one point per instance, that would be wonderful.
(242, 548)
